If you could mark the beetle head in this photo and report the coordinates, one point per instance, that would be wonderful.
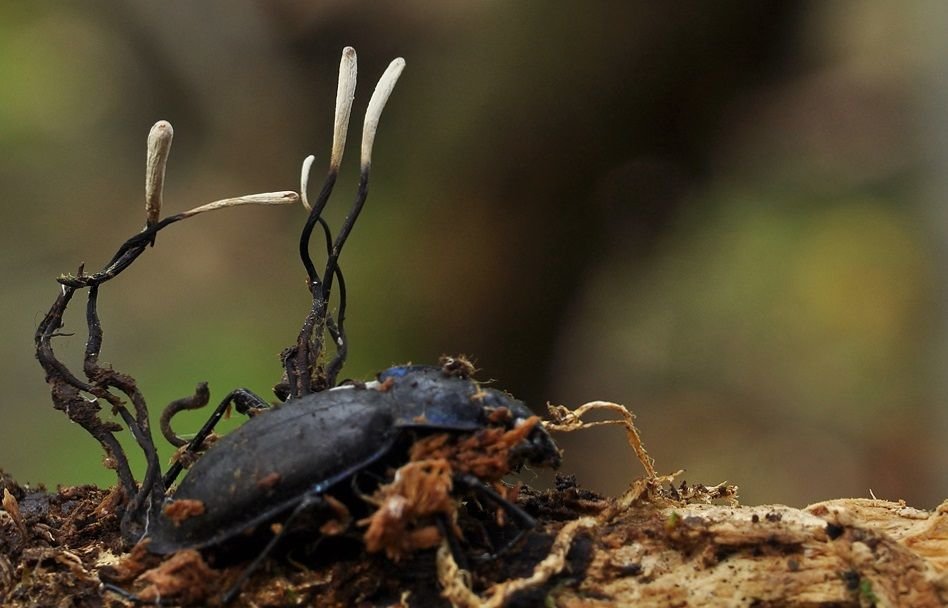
(539, 449)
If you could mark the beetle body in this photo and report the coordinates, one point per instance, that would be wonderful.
(306, 447)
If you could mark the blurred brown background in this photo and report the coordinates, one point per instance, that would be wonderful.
(730, 216)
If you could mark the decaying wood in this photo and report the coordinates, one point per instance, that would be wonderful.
(847, 552)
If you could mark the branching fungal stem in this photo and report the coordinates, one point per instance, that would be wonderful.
(69, 392)
(304, 373)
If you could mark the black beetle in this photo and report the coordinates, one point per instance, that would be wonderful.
(301, 454)
(294, 454)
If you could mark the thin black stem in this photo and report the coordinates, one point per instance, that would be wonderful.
(300, 362)
(140, 426)
(300, 359)
(43, 340)
(314, 216)
(67, 392)
(347, 225)
(123, 258)
(94, 341)
(327, 235)
(337, 331)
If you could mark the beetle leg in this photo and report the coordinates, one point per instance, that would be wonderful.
(308, 501)
(248, 402)
(526, 521)
(244, 400)
(447, 531)
(127, 595)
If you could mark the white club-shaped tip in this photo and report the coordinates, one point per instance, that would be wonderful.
(158, 149)
(345, 93)
(287, 197)
(304, 180)
(382, 92)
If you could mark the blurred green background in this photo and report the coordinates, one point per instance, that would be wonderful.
(729, 216)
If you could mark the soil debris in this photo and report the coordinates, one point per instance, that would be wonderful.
(484, 454)
(11, 508)
(421, 489)
(402, 523)
(184, 577)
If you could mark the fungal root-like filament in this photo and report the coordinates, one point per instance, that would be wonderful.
(566, 420)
